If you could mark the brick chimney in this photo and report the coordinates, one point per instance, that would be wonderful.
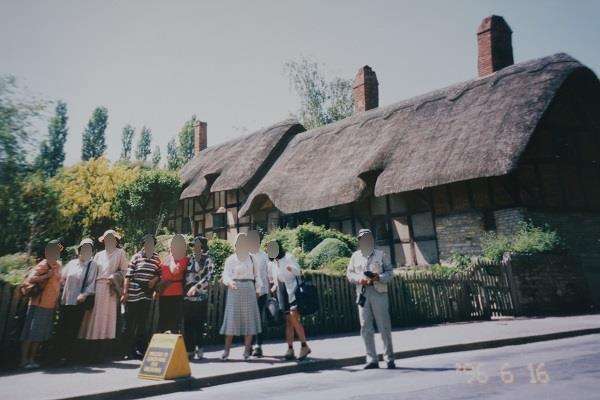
(494, 44)
(200, 139)
(365, 90)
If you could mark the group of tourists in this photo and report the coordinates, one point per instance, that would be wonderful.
(90, 290)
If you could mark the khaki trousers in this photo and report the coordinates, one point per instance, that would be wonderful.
(376, 309)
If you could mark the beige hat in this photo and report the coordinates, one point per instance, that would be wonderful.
(109, 231)
(86, 241)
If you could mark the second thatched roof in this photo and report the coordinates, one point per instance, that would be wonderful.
(238, 163)
(477, 128)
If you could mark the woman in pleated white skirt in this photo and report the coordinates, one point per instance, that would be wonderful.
(242, 316)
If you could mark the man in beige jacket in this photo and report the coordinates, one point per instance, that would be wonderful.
(371, 274)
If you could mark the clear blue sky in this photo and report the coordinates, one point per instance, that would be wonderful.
(156, 63)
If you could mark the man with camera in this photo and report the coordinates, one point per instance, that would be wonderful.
(368, 271)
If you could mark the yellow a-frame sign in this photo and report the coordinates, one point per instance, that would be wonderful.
(165, 358)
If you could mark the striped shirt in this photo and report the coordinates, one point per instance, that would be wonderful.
(140, 272)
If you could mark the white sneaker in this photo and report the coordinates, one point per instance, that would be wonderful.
(199, 353)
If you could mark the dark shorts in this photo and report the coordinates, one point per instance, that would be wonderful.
(38, 324)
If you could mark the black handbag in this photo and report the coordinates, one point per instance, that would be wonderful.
(88, 303)
(306, 297)
(274, 314)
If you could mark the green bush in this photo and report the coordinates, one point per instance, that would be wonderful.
(336, 266)
(527, 239)
(142, 205)
(14, 267)
(445, 270)
(326, 251)
(288, 238)
(219, 250)
(309, 236)
(460, 261)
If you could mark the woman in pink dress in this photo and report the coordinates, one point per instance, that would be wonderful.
(100, 324)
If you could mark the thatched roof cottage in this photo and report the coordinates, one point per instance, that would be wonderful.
(429, 174)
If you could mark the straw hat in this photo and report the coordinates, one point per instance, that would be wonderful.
(109, 231)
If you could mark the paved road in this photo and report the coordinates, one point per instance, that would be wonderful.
(554, 370)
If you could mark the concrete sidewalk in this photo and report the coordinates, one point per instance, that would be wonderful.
(119, 379)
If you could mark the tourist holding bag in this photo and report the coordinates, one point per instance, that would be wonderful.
(370, 273)
(79, 282)
(42, 303)
(285, 272)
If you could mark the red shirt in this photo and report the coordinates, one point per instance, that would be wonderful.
(176, 278)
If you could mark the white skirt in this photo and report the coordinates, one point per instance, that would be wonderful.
(241, 316)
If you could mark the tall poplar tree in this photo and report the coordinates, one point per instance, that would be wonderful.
(94, 140)
(143, 149)
(127, 142)
(52, 149)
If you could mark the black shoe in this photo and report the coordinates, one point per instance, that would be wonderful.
(391, 365)
(371, 366)
(258, 352)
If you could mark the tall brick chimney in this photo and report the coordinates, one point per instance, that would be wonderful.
(494, 45)
(200, 139)
(365, 90)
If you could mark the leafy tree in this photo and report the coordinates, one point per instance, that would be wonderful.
(173, 161)
(94, 141)
(86, 192)
(127, 142)
(181, 150)
(185, 149)
(41, 200)
(156, 156)
(18, 112)
(142, 150)
(321, 101)
(141, 205)
(52, 150)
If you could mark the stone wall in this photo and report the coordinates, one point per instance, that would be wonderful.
(460, 233)
(507, 220)
(548, 284)
(581, 233)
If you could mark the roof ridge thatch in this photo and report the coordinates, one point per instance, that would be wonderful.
(467, 130)
(234, 163)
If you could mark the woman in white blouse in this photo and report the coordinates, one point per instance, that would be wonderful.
(78, 278)
(242, 278)
(285, 272)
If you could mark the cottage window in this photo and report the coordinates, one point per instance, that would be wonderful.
(219, 220)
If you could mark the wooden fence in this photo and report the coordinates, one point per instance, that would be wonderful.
(416, 298)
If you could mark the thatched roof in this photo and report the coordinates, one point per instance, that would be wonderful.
(473, 129)
(236, 163)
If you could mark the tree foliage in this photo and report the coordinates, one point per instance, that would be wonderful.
(322, 101)
(86, 193)
(528, 238)
(18, 113)
(142, 204)
(94, 141)
(143, 148)
(156, 157)
(181, 149)
(52, 150)
(127, 142)
(327, 251)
